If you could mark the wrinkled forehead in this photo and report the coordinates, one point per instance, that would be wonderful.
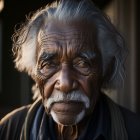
(76, 35)
(62, 26)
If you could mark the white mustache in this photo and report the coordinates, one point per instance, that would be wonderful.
(58, 96)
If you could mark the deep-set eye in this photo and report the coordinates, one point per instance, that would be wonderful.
(48, 66)
(82, 64)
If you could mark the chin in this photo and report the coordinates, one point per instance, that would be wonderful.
(67, 119)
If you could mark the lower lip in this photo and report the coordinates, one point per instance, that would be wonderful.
(68, 108)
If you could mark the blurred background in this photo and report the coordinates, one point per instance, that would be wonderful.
(15, 87)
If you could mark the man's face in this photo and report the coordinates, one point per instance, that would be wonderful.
(67, 71)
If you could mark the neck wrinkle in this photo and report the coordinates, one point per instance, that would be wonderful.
(67, 132)
(71, 132)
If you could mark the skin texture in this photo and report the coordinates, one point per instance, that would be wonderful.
(68, 63)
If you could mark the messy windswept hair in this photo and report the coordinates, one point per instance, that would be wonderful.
(109, 42)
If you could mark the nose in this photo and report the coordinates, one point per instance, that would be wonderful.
(66, 82)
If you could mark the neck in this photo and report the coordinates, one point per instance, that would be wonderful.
(70, 132)
(67, 132)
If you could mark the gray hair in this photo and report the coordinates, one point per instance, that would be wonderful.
(109, 42)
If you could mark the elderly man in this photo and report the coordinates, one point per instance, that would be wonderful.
(74, 54)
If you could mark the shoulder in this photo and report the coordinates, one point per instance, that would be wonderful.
(15, 114)
(11, 124)
(131, 119)
(132, 123)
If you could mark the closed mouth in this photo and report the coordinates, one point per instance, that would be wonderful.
(67, 107)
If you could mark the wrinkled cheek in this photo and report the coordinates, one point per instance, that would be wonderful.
(89, 84)
(48, 87)
(40, 83)
(45, 93)
(47, 90)
(94, 87)
(43, 84)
